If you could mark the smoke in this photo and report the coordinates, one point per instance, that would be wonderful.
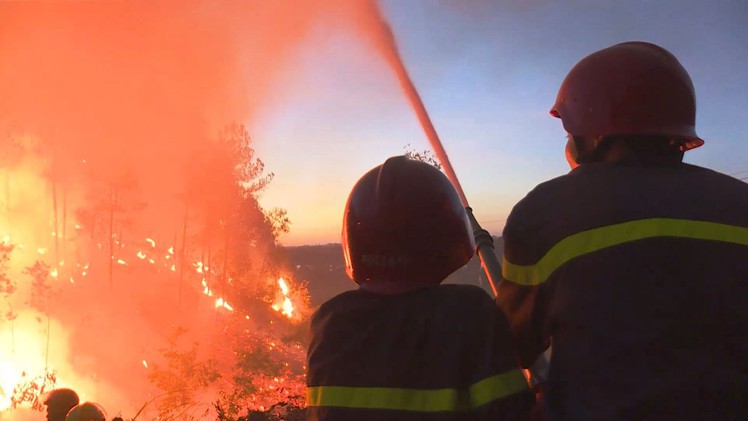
(139, 86)
(109, 119)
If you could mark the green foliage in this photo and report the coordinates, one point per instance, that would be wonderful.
(278, 219)
(185, 374)
(255, 366)
(247, 168)
(237, 239)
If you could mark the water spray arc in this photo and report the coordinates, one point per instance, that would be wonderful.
(385, 41)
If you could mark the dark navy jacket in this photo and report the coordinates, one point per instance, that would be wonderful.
(639, 275)
(436, 353)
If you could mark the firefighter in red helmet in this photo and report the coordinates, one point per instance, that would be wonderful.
(59, 402)
(634, 265)
(402, 346)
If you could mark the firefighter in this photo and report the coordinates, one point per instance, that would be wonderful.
(634, 265)
(87, 411)
(402, 346)
(59, 402)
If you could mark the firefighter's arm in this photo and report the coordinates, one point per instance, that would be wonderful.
(494, 370)
(525, 309)
(525, 306)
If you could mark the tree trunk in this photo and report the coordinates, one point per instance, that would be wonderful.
(112, 203)
(55, 218)
(64, 218)
(182, 253)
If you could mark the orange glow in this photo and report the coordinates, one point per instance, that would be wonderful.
(23, 359)
(198, 267)
(112, 158)
(220, 302)
(283, 303)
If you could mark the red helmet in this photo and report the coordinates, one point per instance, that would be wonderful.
(633, 88)
(404, 227)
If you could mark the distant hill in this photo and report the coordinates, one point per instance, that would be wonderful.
(323, 267)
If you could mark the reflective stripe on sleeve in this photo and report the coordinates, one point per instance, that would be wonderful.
(586, 242)
(419, 400)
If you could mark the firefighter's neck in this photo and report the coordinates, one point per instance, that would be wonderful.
(618, 151)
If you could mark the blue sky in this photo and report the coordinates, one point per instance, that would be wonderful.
(487, 72)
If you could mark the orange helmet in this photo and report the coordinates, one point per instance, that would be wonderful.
(633, 88)
(404, 227)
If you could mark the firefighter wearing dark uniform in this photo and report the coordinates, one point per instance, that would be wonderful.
(634, 265)
(403, 347)
(59, 402)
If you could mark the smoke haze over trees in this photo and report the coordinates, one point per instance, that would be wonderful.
(136, 260)
(136, 264)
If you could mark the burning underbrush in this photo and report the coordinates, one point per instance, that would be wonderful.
(136, 264)
(170, 320)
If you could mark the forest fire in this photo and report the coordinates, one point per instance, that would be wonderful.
(34, 353)
(136, 264)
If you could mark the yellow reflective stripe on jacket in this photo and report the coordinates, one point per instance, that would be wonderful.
(420, 400)
(497, 387)
(596, 239)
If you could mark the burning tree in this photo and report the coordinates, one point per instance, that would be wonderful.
(140, 218)
(200, 316)
(7, 285)
(184, 375)
(256, 359)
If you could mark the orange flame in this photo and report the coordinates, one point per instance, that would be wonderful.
(223, 303)
(285, 306)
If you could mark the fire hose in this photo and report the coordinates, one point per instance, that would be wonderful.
(384, 40)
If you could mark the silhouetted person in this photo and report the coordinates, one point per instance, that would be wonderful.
(87, 411)
(634, 265)
(402, 346)
(59, 402)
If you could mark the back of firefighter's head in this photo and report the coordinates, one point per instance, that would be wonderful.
(633, 98)
(404, 228)
(59, 402)
(87, 411)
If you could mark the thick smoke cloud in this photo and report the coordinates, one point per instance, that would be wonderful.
(113, 104)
